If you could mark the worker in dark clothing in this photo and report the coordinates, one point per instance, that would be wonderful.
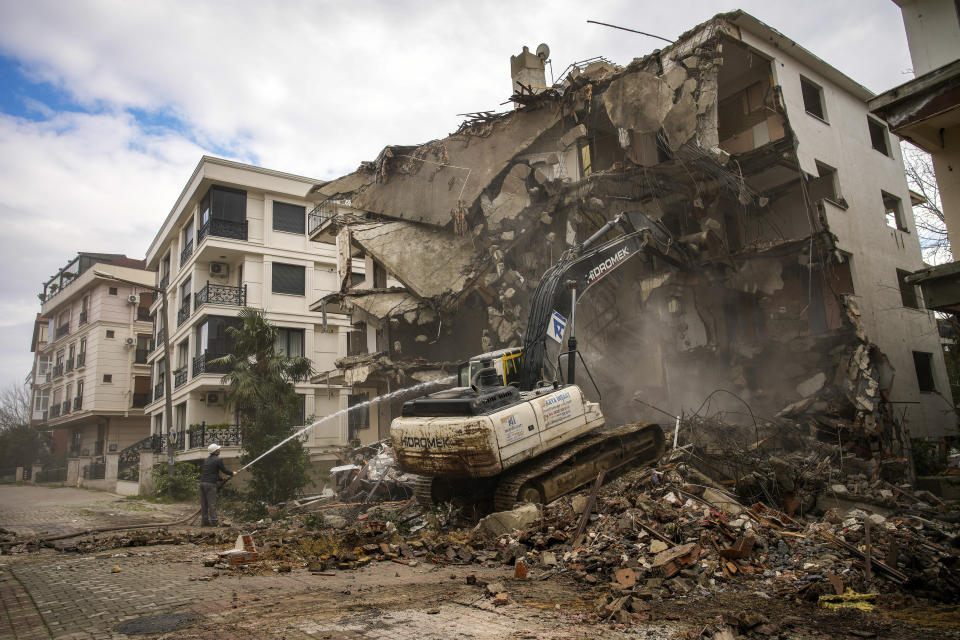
(212, 468)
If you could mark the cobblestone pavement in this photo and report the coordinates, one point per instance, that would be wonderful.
(52, 594)
(47, 510)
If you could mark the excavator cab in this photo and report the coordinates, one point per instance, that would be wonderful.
(505, 361)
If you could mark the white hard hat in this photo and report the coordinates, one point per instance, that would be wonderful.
(213, 448)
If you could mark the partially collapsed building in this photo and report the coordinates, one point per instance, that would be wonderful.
(747, 153)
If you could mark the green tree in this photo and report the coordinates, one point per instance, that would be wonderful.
(260, 388)
(21, 443)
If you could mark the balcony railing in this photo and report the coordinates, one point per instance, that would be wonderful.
(65, 408)
(164, 281)
(202, 364)
(220, 294)
(83, 318)
(78, 403)
(183, 313)
(187, 252)
(62, 331)
(143, 314)
(57, 370)
(140, 400)
(158, 391)
(54, 410)
(68, 365)
(199, 436)
(316, 218)
(140, 356)
(81, 359)
(222, 229)
(179, 376)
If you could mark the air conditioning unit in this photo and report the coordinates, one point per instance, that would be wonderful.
(130, 342)
(133, 299)
(219, 269)
(213, 398)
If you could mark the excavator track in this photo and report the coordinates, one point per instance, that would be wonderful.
(541, 479)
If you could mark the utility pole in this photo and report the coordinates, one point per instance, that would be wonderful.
(167, 380)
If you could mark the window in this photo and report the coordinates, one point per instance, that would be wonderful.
(894, 212)
(923, 363)
(112, 291)
(298, 416)
(224, 204)
(107, 378)
(110, 333)
(813, 99)
(183, 354)
(826, 185)
(289, 342)
(289, 217)
(878, 136)
(80, 388)
(288, 278)
(908, 292)
(379, 276)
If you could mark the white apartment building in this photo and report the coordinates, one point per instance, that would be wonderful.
(237, 237)
(91, 378)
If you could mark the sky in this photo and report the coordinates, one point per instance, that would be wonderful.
(107, 106)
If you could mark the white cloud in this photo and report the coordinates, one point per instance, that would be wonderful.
(300, 86)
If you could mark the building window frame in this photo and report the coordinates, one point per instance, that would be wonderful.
(879, 138)
(893, 210)
(923, 366)
(289, 218)
(813, 99)
(288, 279)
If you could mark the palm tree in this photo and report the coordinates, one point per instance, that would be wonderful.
(260, 389)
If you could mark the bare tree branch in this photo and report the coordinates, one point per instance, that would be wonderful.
(14, 406)
(928, 215)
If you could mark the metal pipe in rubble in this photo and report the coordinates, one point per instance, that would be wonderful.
(572, 340)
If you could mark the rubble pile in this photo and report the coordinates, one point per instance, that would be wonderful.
(368, 473)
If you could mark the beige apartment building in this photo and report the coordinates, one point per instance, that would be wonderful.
(91, 377)
(237, 237)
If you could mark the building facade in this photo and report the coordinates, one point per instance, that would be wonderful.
(237, 237)
(91, 375)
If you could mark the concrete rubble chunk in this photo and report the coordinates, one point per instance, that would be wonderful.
(572, 135)
(501, 522)
(638, 101)
(811, 385)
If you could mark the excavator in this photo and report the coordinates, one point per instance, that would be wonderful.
(514, 429)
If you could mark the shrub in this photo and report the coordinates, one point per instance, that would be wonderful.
(182, 485)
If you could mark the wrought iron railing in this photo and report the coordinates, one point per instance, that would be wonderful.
(95, 471)
(158, 390)
(81, 359)
(316, 218)
(183, 313)
(62, 330)
(164, 281)
(222, 229)
(57, 370)
(162, 442)
(65, 408)
(187, 252)
(202, 364)
(140, 356)
(83, 318)
(128, 462)
(54, 410)
(220, 294)
(68, 365)
(200, 436)
(78, 403)
(179, 376)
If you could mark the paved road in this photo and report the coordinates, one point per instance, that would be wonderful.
(77, 596)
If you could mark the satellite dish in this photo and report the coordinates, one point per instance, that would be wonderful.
(543, 51)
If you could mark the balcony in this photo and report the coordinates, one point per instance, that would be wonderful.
(187, 252)
(83, 318)
(81, 359)
(200, 436)
(222, 229)
(140, 400)
(78, 403)
(62, 331)
(57, 370)
(183, 313)
(140, 356)
(179, 376)
(163, 282)
(143, 314)
(202, 364)
(68, 365)
(65, 409)
(54, 411)
(158, 391)
(318, 217)
(220, 294)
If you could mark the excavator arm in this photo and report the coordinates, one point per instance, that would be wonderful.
(581, 267)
